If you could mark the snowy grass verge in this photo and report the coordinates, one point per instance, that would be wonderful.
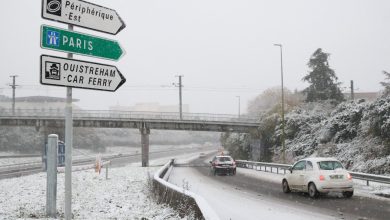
(125, 195)
(186, 202)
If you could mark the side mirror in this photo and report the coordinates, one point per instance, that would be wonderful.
(210, 161)
(290, 169)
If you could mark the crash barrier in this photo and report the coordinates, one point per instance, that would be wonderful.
(271, 167)
(261, 166)
(180, 198)
(20, 155)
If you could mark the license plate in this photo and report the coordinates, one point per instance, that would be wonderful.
(336, 177)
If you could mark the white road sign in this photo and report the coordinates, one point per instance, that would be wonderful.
(83, 14)
(60, 71)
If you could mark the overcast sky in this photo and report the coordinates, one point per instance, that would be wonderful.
(224, 48)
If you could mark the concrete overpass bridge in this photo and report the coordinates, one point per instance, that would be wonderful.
(144, 121)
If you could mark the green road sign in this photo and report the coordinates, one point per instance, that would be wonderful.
(74, 42)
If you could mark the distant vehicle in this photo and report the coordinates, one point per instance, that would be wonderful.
(202, 155)
(318, 176)
(223, 165)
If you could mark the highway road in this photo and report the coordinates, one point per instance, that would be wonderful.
(266, 192)
(22, 169)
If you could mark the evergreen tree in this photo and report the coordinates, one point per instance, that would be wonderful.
(386, 84)
(322, 79)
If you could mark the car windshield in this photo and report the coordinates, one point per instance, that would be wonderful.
(224, 159)
(329, 165)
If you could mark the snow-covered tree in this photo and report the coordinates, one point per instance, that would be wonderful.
(322, 79)
(386, 84)
(270, 101)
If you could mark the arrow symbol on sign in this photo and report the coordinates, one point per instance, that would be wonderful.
(75, 42)
(61, 71)
(79, 13)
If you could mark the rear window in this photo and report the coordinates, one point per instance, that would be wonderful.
(224, 159)
(329, 165)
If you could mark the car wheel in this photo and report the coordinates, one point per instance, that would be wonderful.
(313, 192)
(286, 188)
(348, 194)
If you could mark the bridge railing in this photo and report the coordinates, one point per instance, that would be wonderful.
(271, 167)
(114, 114)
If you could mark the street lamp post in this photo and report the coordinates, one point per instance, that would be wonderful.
(283, 124)
(239, 106)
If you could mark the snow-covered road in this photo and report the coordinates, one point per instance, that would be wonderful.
(232, 203)
(257, 195)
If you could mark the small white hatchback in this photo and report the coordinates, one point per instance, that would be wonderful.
(318, 176)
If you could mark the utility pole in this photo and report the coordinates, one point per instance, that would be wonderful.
(180, 96)
(13, 92)
(352, 91)
(239, 106)
(281, 73)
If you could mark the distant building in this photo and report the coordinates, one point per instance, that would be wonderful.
(369, 96)
(150, 107)
(35, 102)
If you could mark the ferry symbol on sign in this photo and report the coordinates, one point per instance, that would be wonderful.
(53, 38)
(52, 70)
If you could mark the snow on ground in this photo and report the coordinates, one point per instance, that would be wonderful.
(229, 203)
(185, 158)
(84, 153)
(124, 195)
(219, 195)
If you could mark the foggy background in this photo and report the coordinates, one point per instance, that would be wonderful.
(224, 49)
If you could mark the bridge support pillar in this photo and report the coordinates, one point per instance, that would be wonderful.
(145, 131)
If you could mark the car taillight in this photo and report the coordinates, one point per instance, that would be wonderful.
(322, 177)
(349, 176)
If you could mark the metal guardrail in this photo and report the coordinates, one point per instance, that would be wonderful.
(270, 167)
(262, 166)
(201, 205)
(110, 114)
(371, 177)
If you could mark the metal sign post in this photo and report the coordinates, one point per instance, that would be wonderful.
(68, 148)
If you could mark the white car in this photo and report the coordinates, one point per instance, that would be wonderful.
(318, 175)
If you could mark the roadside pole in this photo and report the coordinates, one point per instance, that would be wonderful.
(51, 172)
(68, 147)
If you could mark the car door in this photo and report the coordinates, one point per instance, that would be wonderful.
(307, 174)
(296, 180)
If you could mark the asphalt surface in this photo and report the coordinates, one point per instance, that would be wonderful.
(357, 207)
(122, 161)
(116, 161)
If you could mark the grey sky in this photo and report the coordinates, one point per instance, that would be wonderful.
(224, 48)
